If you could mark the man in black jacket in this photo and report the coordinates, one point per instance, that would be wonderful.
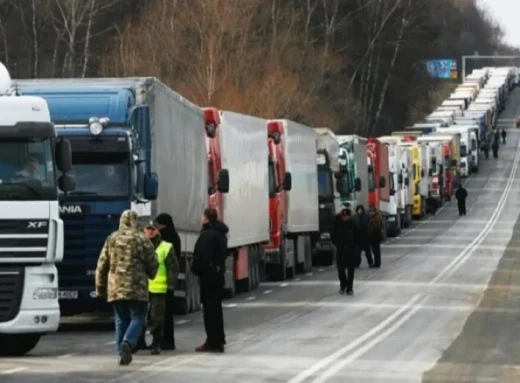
(362, 220)
(209, 265)
(345, 236)
(168, 233)
(461, 194)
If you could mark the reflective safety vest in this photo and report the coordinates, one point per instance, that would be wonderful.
(159, 285)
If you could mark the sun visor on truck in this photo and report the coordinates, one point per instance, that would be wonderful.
(28, 130)
(78, 105)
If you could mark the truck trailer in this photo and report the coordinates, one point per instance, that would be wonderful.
(301, 225)
(126, 134)
(31, 231)
(238, 165)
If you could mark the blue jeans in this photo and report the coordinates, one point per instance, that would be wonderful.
(130, 317)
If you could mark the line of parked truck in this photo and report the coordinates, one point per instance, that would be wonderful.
(136, 144)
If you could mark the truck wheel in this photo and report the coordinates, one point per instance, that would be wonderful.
(280, 271)
(19, 344)
(262, 272)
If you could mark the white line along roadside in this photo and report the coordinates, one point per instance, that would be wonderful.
(466, 253)
(379, 333)
(342, 351)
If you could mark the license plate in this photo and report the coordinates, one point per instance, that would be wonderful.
(68, 295)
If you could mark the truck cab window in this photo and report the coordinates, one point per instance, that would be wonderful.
(371, 179)
(463, 150)
(27, 169)
(102, 175)
(325, 189)
(272, 179)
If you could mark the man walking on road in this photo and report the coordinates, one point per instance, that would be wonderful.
(209, 265)
(362, 224)
(461, 194)
(125, 264)
(375, 235)
(345, 236)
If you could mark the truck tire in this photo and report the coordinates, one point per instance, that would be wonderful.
(19, 344)
(279, 272)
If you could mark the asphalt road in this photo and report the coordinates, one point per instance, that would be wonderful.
(402, 319)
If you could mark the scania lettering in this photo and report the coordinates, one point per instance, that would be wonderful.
(31, 235)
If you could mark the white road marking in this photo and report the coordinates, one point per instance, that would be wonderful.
(67, 355)
(466, 253)
(228, 305)
(309, 274)
(268, 291)
(367, 347)
(181, 322)
(13, 370)
(110, 343)
(251, 298)
(284, 285)
(320, 270)
(338, 354)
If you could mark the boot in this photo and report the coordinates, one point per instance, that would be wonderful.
(155, 349)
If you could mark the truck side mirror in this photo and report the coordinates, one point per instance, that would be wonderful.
(223, 181)
(407, 181)
(430, 172)
(400, 179)
(382, 181)
(63, 156)
(66, 183)
(287, 181)
(150, 186)
(357, 184)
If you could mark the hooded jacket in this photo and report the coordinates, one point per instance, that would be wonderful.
(345, 236)
(169, 234)
(210, 252)
(362, 222)
(126, 262)
(171, 262)
(375, 227)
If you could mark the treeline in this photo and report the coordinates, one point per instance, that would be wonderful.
(353, 65)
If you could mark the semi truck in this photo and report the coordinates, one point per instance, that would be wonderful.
(327, 156)
(238, 184)
(301, 225)
(401, 197)
(125, 134)
(31, 231)
(356, 150)
(379, 180)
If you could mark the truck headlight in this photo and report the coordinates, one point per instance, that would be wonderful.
(47, 294)
(95, 128)
(325, 236)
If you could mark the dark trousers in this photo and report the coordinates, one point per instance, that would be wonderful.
(157, 311)
(375, 246)
(366, 248)
(346, 277)
(169, 329)
(130, 317)
(211, 297)
(462, 207)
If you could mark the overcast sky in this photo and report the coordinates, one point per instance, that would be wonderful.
(507, 14)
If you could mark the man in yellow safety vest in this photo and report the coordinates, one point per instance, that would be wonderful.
(161, 285)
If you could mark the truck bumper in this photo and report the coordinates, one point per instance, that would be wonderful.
(324, 246)
(39, 311)
(79, 300)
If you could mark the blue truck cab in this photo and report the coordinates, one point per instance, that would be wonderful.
(111, 162)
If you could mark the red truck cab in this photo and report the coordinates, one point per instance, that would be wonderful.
(280, 182)
(377, 156)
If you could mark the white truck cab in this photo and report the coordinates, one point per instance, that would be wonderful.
(31, 231)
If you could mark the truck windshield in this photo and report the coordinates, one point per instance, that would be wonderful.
(101, 175)
(463, 150)
(272, 179)
(324, 183)
(371, 179)
(27, 169)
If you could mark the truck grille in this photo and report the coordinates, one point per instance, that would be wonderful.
(84, 239)
(326, 217)
(21, 238)
(11, 289)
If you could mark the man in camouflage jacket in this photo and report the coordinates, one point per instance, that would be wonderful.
(125, 264)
